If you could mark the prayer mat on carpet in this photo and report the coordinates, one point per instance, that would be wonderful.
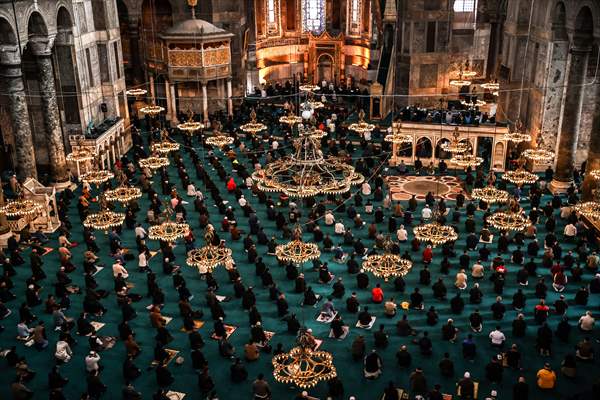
(108, 342)
(488, 242)
(97, 326)
(98, 269)
(326, 318)
(172, 354)
(345, 329)
(197, 325)
(48, 250)
(222, 299)
(229, 329)
(167, 319)
(175, 395)
(373, 319)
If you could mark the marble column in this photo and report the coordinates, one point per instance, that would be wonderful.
(173, 104)
(42, 50)
(169, 115)
(567, 140)
(229, 100)
(204, 102)
(12, 78)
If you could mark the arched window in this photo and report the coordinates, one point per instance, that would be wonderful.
(355, 15)
(464, 5)
(273, 17)
(313, 16)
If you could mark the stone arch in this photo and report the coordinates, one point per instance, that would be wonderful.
(440, 153)
(64, 21)
(584, 26)
(424, 147)
(7, 33)
(36, 26)
(559, 22)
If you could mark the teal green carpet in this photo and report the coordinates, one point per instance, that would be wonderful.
(349, 371)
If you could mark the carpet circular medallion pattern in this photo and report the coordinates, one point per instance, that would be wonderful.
(404, 187)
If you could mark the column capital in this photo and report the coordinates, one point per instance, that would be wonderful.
(41, 46)
(10, 55)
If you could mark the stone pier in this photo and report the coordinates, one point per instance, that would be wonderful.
(11, 76)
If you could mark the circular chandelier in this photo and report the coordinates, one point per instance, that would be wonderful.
(123, 194)
(435, 233)
(388, 265)
(490, 195)
(290, 119)
(361, 126)
(538, 155)
(81, 154)
(209, 257)
(311, 104)
(466, 160)
(396, 136)
(219, 140)
(492, 86)
(455, 145)
(471, 104)
(590, 209)
(307, 172)
(154, 162)
(164, 147)
(296, 250)
(104, 220)
(168, 231)
(253, 126)
(152, 110)
(509, 221)
(303, 366)
(518, 135)
(20, 208)
(190, 126)
(464, 73)
(136, 92)
(520, 177)
(97, 177)
(595, 173)
(309, 88)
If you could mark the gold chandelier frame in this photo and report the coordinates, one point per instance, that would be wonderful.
(466, 160)
(136, 92)
(361, 126)
(210, 256)
(154, 162)
(104, 220)
(303, 366)
(81, 154)
(297, 251)
(20, 208)
(509, 221)
(123, 194)
(152, 109)
(97, 177)
(306, 172)
(491, 195)
(435, 233)
(253, 126)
